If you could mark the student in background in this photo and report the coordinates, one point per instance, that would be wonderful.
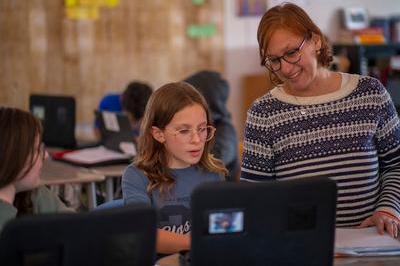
(317, 122)
(21, 158)
(111, 102)
(215, 90)
(132, 101)
(174, 157)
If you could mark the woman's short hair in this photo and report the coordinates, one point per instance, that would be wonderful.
(294, 19)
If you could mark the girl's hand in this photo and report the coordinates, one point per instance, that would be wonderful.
(383, 222)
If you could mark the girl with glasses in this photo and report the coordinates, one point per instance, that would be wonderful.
(21, 160)
(215, 90)
(174, 157)
(317, 122)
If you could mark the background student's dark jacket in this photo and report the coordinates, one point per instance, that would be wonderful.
(215, 90)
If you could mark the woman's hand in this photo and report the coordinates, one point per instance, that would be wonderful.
(383, 222)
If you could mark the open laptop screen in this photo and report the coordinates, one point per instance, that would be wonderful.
(115, 129)
(118, 236)
(57, 114)
(271, 223)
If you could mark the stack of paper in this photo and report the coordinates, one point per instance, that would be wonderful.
(95, 156)
(365, 242)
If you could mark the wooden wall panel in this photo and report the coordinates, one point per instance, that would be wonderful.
(42, 51)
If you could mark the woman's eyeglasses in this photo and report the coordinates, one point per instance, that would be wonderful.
(292, 56)
(205, 133)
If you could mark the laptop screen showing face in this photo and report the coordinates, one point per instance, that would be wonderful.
(272, 223)
(225, 222)
(118, 236)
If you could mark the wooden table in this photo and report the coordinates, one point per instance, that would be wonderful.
(173, 260)
(110, 172)
(59, 173)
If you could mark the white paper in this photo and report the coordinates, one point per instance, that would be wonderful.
(128, 148)
(365, 242)
(94, 155)
(110, 121)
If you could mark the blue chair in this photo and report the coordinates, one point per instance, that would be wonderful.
(111, 204)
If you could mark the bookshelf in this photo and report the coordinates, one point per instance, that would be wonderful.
(362, 56)
(373, 60)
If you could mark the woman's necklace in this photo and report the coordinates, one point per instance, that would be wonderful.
(302, 105)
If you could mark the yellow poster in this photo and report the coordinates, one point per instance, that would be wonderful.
(87, 9)
(83, 13)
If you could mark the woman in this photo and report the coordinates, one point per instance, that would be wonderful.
(21, 159)
(316, 122)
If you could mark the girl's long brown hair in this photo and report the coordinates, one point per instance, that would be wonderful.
(18, 133)
(164, 103)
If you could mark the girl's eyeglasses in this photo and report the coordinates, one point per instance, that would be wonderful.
(205, 133)
(293, 56)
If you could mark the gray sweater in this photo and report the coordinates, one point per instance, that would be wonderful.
(174, 207)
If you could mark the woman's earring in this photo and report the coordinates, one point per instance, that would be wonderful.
(318, 51)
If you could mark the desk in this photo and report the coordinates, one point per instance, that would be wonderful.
(59, 173)
(372, 261)
(173, 260)
(110, 172)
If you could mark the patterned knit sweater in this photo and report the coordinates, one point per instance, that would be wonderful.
(351, 135)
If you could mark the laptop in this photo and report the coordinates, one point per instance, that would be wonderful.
(117, 236)
(271, 223)
(115, 130)
(57, 114)
(116, 145)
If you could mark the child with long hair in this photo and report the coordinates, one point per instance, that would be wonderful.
(21, 158)
(174, 157)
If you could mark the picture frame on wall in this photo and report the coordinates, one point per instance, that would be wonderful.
(355, 18)
(248, 8)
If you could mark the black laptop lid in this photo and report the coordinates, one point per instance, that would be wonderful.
(57, 114)
(115, 129)
(272, 223)
(119, 236)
